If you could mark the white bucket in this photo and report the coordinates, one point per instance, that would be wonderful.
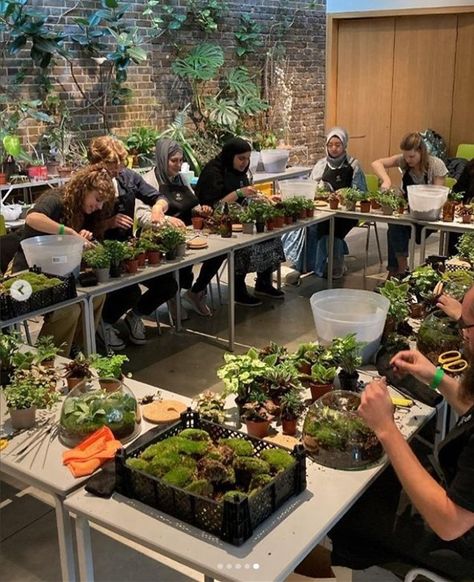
(426, 201)
(338, 312)
(54, 254)
(254, 161)
(299, 188)
(274, 161)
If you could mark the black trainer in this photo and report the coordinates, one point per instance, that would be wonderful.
(247, 300)
(269, 291)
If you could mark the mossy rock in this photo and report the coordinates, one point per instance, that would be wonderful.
(241, 447)
(251, 465)
(179, 477)
(139, 464)
(200, 487)
(278, 459)
(216, 472)
(195, 434)
(258, 482)
(164, 462)
(153, 450)
(234, 496)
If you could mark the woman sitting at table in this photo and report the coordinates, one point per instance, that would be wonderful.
(224, 179)
(182, 204)
(417, 167)
(129, 186)
(337, 170)
(64, 211)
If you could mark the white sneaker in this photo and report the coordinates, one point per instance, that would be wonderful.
(136, 328)
(293, 278)
(198, 302)
(109, 337)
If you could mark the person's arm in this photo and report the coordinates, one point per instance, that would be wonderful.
(447, 519)
(42, 223)
(380, 167)
(452, 307)
(416, 364)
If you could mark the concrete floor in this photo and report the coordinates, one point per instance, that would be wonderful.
(186, 363)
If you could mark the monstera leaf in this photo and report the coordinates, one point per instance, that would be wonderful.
(201, 64)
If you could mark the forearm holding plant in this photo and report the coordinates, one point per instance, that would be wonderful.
(380, 170)
(43, 223)
(448, 520)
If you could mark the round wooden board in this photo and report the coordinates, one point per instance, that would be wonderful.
(283, 440)
(163, 411)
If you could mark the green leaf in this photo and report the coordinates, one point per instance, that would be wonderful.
(137, 54)
(240, 82)
(201, 64)
(110, 3)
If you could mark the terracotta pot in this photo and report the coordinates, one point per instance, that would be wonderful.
(288, 220)
(73, 381)
(198, 222)
(318, 390)
(22, 417)
(109, 384)
(64, 171)
(270, 225)
(365, 205)
(375, 205)
(132, 266)
(279, 221)
(333, 204)
(289, 426)
(309, 212)
(141, 258)
(258, 429)
(467, 218)
(154, 257)
(302, 214)
(247, 228)
(3, 178)
(448, 211)
(260, 226)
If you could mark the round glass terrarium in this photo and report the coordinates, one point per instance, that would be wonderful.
(335, 436)
(437, 334)
(93, 404)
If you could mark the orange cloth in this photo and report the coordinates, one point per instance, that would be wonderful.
(89, 455)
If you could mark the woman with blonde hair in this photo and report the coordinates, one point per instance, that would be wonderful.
(64, 211)
(417, 167)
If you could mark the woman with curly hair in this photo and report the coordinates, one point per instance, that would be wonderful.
(64, 211)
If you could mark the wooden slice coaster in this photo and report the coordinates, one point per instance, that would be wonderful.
(237, 228)
(164, 411)
(283, 440)
(320, 204)
(198, 243)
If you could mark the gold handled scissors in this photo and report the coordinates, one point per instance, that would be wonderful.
(452, 361)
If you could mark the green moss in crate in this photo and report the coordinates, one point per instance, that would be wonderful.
(201, 487)
(251, 465)
(234, 496)
(241, 447)
(258, 482)
(179, 476)
(193, 448)
(221, 453)
(163, 462)
(139, 464)
(216, 472)
(277, 459)
(195, 434)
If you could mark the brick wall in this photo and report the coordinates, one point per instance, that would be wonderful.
(159, 95)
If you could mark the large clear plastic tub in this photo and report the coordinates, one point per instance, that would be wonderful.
(338, 312)
(274, 161)
(426, 201)
(54, 254)
(300, 188)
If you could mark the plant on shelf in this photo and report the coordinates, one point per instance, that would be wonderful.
(256, 414)
(97, 257)
(116, 251)
(306, 355)
(455, 197)
(465, 247)
(397, 293)
(9, 346)
(149, 240)
(346, 352)
(210, 406)
(23, 360)
(140, 144)
(422, 281)
(280, 379)
(109, 366)
(333, 200)
(46, 349)
(76, 370)
(351, 196)
(246, 217)
(170, 239)
(389, 201)
(291, 408)
(465, 212)
(277, 353)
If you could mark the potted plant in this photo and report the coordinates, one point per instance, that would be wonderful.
(351, 196)
(465, 247)
(365, 202)
(389, 202)
(422, 281)
(374, 200)
(116, 251)
(131, 258)
(29, 390)
(109, 370)
(140, 144)
(256, 415)
(306, 355)
(321, 379)
(9, 346)
(309, 207)
(150, 243)
(465, 211)
(246, 220)
(170, 238)
(210, 406)
(397, 293)
(46, 351)
(98, 258)
(279, 216)
(259, 210)
(77, 370)
(291, 408)
(449, 207)
(333, 200)
(346, 352)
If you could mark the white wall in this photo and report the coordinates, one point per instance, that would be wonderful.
(365, 5)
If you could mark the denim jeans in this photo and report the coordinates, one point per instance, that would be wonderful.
(398, 240)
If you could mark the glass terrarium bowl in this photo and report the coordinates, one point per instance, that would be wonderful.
(89, 407)
(335, 436)
(437, 334)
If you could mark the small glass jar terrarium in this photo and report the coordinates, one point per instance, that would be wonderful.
(89, 407)
(335, 436)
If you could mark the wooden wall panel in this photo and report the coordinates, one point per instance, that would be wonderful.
(462, 125)
(364, 85)
(423, 78)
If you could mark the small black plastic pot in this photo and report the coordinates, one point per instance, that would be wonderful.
(171, 255)
(348, 381)
(115, 271)
(260, 226)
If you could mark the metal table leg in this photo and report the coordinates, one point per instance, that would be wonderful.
(423, 244)
(178, 323)
(66, 550)
(88, 325)
(231, 299)
(411, 248)
(330, 251)
(84, 550)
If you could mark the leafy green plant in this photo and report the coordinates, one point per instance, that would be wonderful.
(171, 237)
(79, 367)
(390, 199)
(423, 280)
(46, 349)
(291, 405)
(116, 251)
(210, 406)
(397, 293)
(346, 352)
(248, 36)
(257, 409)
(97, 257)
(9, 346)
(322, 373)
(109, 366)
(243, 373)
(32, 387)
(455, 196)
(465, 247)
(141, 143)
(245, 217)
(457, 283)
(207, 13)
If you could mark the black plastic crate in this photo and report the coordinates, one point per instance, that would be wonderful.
(232, 521)
(10, 308)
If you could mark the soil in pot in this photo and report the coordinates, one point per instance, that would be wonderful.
(348, 381)
(258, 429)
(22, 417)
(154, 257)
(131, 266)
(289, 426)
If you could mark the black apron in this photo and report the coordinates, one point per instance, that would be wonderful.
(339, 178)
(181, 201)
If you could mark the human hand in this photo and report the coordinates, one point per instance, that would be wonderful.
(249, 191)
(376, 407)
(120, 221)
(414, 363)
(206, 210)
(175, 222)
(450, 306)
(86, 234)
(275, 199)
(157, 214)
(386, 185)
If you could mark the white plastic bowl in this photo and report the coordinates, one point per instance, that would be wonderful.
(274, 161)
(11, 211)
(426, 201)
(54, 254)
(338, 312)
(300, 188)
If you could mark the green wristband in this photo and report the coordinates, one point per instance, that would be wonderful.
(61, 229)
(239, 193)
(437, 379)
